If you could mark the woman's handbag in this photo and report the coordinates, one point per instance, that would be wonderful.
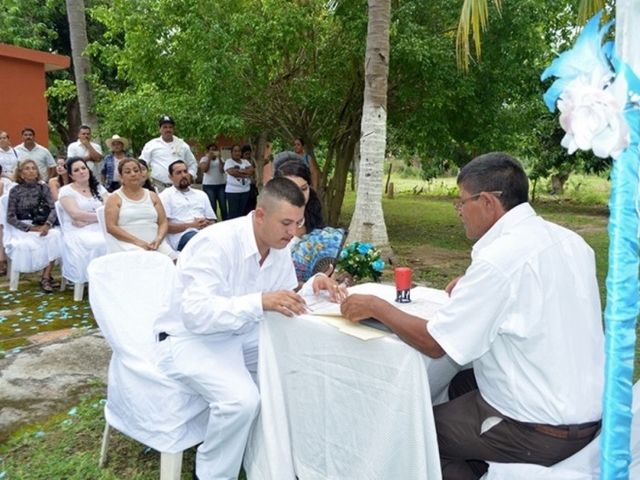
(41, 211)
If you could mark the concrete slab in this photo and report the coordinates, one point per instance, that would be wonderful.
(49, 377)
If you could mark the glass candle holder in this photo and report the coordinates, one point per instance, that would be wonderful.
(403, 284)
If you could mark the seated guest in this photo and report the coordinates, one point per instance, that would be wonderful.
(109, 172)
(134, 215)
(83, 237)
(31, 211)
(5, 186)
(300, 174)
(230, 275)
(188, 210)
(144, 173)
(527, 315)
(60, 179)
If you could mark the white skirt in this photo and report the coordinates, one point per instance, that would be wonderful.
(28, 251)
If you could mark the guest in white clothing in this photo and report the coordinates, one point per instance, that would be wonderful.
(8, 156)
(83, 237)
(230, 274)
(134, 215)
(188, 210)
(160, 152)
(238, 189)
(31, 150)
(84, 148)
(214, 180)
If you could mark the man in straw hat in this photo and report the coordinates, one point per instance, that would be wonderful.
(109, 172)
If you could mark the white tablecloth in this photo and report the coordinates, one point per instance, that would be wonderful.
(337, 407)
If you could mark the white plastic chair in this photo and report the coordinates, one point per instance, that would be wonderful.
(101, 220)
(583, 465)
(78, 287)
(30, 261)
(129, 290)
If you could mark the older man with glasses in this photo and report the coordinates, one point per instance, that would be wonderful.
(526, 315)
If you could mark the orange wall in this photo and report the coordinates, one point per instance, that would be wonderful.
(26, 106)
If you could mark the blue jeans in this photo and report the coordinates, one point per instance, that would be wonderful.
(216, 195)
(236, 203)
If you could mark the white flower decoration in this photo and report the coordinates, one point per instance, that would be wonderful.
(593, 116)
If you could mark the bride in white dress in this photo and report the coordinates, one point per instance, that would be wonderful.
(83, 237)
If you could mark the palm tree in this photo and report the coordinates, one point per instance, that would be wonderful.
(475, 16)
(81, 62)
(368, 223)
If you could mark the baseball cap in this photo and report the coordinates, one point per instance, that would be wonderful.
(166, 119)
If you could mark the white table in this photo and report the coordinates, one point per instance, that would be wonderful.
(338, 407)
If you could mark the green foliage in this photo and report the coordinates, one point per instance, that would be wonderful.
(361, 261)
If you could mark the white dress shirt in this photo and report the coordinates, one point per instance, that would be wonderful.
(160, 154)
(40, 155)
(9, 161)
(185, 206)
(527, 314)
(222, 281)
(77, 149)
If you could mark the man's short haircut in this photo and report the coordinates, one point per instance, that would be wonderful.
(172, 164)
(212, 145)
(84, 127)
(246, 148)
(496, 172)
(278, 189)
(28, 129)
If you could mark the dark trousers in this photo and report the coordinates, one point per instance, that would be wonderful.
(464, 449)
(217, 196)
(184, 239)
(236, 202)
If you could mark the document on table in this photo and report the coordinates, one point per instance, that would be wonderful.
(425, 303)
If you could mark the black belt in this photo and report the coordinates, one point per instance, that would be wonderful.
(567, 432)
(162, 336)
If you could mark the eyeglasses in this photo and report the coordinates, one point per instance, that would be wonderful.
(458, 204)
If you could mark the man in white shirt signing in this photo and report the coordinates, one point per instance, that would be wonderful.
(526, 315)
(188, 210)
(162, 151)
(230, 274)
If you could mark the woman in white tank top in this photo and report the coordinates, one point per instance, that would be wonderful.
(134, 216)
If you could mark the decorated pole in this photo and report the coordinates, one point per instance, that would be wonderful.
(597, 91)
(622, 279)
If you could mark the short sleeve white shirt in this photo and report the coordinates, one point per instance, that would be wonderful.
(527, 314)
(213, 176)
(77, 149)
(222, 281)
(182, 207)
(8, 160)
(237, 185)
(40, 155)
(160, 154)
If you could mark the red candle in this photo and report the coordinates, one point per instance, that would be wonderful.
(403, 278)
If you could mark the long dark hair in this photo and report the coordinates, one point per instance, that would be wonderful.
(313, 210)
(147, 183)
(93, 183)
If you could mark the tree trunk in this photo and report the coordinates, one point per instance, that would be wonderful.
(81, 62)
(367, 223)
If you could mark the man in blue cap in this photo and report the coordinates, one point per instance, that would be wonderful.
(162, 151)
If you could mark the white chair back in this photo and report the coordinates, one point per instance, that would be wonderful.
(101, 220)
(4, 202)
(129, 291)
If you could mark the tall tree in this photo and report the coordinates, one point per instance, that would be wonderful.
(367, 223)
(81, 61)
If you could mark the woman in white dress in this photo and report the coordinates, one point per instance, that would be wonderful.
(134, 215)
(83, 237)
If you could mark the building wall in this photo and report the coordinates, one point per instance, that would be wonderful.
(25, 105)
